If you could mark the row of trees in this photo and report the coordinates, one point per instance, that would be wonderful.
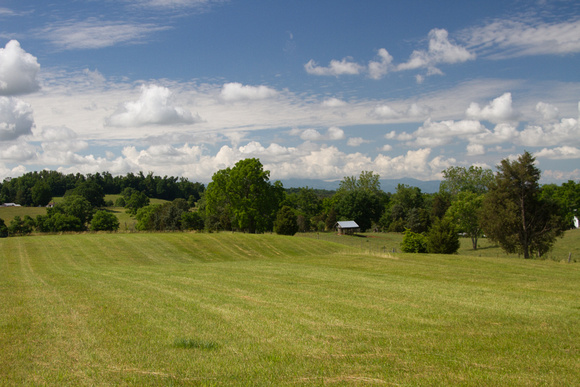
(510, 207)
(38, 188)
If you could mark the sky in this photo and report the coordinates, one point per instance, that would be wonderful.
(314, 89)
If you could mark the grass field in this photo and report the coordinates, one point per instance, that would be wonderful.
(214, 309)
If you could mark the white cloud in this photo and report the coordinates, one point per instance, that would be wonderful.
(385, 112)
(391, 135)
(17, 152)
(386, 148)
(356, 141)
(475, 150)
(152, 108)
(563, 132)
(378, 69)
(333, 103)
(441, 50)
(94, 33)
(18, 70)
(234, 91)
(60, 139)
(335, 68)
(503, 39)
(559, 153)
(442, 132)
(333, 133)
(15, 118)
(498, 110)
(502, 133)
(548, 112)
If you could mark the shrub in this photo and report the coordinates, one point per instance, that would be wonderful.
(104, 221)
(414, 242)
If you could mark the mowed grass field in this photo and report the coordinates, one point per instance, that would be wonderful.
(238, 309)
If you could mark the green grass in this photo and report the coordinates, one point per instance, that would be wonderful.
(229, 309)
(390, 242)
(8, 213)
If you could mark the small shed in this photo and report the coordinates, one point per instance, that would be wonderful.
(347, 227)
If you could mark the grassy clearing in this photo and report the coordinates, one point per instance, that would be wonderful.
(202, 309)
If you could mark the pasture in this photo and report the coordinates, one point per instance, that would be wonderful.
(228, 309)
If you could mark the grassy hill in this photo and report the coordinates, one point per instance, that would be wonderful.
(202, 309)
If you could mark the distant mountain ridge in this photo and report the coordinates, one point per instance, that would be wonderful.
(387, 185)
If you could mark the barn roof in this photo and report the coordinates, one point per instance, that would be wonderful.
(347, 224)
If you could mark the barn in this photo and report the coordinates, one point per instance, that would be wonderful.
(347, 227)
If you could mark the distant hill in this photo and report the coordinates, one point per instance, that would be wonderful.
(387, 185)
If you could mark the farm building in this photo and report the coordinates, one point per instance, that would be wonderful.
(347, 227)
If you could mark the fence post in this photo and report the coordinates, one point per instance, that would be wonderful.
(569, 256)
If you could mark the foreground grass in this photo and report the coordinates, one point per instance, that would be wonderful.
(191, 309)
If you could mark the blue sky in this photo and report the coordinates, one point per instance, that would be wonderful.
(315, 89)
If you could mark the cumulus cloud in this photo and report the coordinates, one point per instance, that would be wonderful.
(559, 153)
(15, 118)
(548, 112)
(234, 91)
(335, 68)
(18, 70)
(498, 110)
(333, 133)
(503, 39)
(385, 112)
(94, 33)
(356, 141)
(60, 139)
(563, 132)
(442, 132)
(378, 69)
(475, 150)
(154, 107)
(441, 50)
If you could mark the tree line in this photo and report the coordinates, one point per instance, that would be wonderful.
(509, 207)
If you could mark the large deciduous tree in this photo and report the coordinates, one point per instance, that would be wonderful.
(461, 179)
(243, 197)
(514, 214)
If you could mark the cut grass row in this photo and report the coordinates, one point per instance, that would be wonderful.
(183, 309)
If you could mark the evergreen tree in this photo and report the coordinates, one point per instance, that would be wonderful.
(442, 238)
(514, 214)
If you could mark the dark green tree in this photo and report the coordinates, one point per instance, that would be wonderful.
(41, 193)
(192, 220)
(91, 191)
(442, 237)
(286, 222)
(514, 214)
(3, 229)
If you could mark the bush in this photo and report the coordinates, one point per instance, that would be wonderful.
(442, 238)
(104, 221)
(414, 242)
